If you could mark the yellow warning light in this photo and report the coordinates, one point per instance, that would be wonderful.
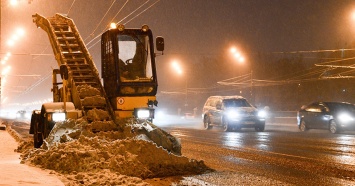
(113, 25)
(145, 28)
(120, 27)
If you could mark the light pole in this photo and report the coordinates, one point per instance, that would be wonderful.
(238, 57)
(177, 67)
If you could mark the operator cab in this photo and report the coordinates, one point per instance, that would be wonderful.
(129, 69)
(128, 62)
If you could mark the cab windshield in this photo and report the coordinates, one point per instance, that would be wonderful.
(134, 58)
(135, 65)
(236, 103)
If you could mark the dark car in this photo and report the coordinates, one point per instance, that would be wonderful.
(232, 113)
(333, 116)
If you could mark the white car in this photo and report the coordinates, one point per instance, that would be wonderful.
(232, 113)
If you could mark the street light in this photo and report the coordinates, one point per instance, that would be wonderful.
(176, 66)
(237, 55)
(6, 70)
(16, 36)
(353, 15)
(13, 2)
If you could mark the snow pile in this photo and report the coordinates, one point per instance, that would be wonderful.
(87, 91)
(108, 158)
(97, 115)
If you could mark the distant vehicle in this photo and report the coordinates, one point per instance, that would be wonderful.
(232, 113)
(332, 116)
(21, 114)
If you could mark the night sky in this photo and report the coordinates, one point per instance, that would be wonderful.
(193, 29)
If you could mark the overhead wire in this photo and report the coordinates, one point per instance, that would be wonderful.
(335, 61)
(314, 51)
(142, 12)
(123, 19)
(114, 17)
(314, 74)
(106, 27)
(240, 82)
(133, 11)
(71, 7)
(93, 32)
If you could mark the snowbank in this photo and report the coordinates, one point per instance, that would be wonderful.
(109, 158)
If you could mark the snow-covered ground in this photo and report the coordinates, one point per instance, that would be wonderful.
(12, 172)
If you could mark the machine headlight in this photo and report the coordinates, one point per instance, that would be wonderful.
(144, 113)
(58, 116)
(344, 117)
(262, 114)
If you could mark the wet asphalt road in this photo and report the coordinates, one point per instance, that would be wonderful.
(281, 155)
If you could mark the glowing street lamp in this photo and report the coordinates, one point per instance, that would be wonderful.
(237, 55)
(16, 36)
(6, 70)
(233, 50)
(353, 15)
(13, 2)
(10, 42)
(20, 32)
(176, 66)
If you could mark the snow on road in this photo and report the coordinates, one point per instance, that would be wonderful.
(13, 173)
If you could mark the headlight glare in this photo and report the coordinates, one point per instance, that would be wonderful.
(262, 114)
(232, 114)
(58, 116)
(143, 114)
(344, 117)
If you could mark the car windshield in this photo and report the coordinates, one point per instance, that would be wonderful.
(236, 103)
(341, 106)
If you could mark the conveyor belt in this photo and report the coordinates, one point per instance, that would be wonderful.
(70, 50)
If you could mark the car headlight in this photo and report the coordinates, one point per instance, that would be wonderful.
(58, 116)
(28, 115)
(344, 117)
(262, 114)
(232, 114)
